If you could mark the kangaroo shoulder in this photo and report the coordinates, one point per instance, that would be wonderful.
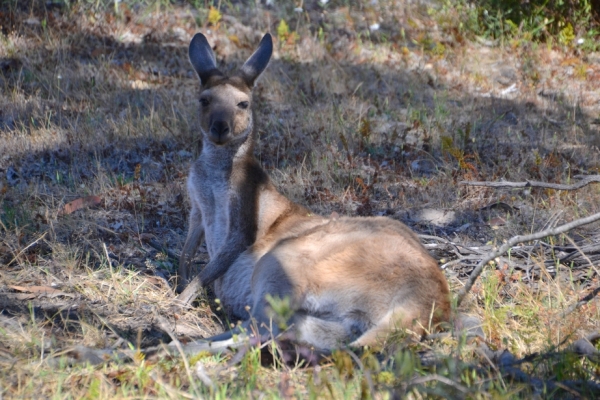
(247, 172)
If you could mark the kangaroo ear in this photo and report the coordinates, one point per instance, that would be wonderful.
(258, 61)
(202, 58)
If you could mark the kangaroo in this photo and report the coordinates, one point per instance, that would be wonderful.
(348, 279)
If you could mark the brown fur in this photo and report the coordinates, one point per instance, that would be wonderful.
(350, 280)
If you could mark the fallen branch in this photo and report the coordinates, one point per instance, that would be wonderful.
(507, 364)
(23, 250)
(164, 324)
(442, 379)
(159, 247)
(586, 299)
(516, 240)
(455, 246)
(583, 255)
(93, 356)
(557, 186)
(185, 298)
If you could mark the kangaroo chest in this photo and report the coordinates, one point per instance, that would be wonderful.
(215, 201)
(216, 215)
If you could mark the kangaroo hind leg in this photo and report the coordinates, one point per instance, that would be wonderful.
(194, 237)
(398, 318)
(322, 334)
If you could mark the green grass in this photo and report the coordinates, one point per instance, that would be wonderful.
(566, 23)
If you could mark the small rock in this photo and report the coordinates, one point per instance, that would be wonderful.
(470, 325)
(584, 347)
(33, 21)
(434, 216)
(423, 166)
(184, 154)
(511, 118)
(12, 176)
(511, 89)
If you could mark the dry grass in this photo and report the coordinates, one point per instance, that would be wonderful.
(101, 102)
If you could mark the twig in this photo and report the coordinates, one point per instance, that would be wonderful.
(203, 376)
(459, 261)
(506, 363)
(557, 186)
(173, 392)
(365, 371)
(164, 325)
(26, 247)
(584, 300)
(159, 247)
(583, 255)
(190, 292)
(107, 260)
(519, 239)
(587, 249)
(472, 250)
(439, 378)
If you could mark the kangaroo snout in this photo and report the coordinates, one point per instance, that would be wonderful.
(219, 132)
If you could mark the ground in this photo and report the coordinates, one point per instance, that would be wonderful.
(367, 108)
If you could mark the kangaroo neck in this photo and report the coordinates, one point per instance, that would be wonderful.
(223, 157)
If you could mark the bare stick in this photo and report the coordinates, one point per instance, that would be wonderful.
(519, 239)
(26, 247)
(159, 247)
(590, 296)
(188, 295)
(456, 248)
(164, 325)
(107, 259)
(439, 378)
(173, 392)
(365, 371)
(583, 255)
(558, 186)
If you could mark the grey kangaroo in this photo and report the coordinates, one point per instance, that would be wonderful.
(348, 280)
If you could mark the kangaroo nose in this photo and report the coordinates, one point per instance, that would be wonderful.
(220, 128)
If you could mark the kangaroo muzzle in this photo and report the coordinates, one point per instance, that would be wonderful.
(219, 132)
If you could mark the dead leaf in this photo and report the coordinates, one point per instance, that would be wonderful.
(80, 203)
(572, 61)
(496, 222)
(44, 291)
(360, 181)
(235, 40)
(20, 296)
(145, 237)
(286, 390)
(98, 51)
(32, 21)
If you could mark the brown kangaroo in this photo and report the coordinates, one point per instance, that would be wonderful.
(349, 280)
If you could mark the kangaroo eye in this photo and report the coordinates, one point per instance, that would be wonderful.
(204, 102)
(243, 105)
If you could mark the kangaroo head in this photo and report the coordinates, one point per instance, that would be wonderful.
(226, 101)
